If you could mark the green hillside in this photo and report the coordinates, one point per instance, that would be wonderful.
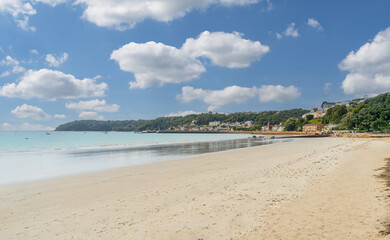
(165, 123)
(92, 125)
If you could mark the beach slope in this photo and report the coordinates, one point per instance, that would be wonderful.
(322, 188)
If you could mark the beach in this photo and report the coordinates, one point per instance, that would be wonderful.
(317, 188)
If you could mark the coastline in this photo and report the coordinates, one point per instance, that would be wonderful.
(239, 194)
(45, 156)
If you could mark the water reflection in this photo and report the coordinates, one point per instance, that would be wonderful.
(24, 167)
(183, 149)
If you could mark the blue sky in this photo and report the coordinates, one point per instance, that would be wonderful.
(63, 60)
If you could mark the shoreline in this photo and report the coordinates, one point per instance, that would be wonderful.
(211, 196)
(111, 171)
(66, 162)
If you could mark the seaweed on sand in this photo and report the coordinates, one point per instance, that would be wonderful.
(385, 176)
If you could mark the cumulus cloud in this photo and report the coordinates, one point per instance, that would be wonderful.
(28, 111)
(13, 64)
(34, 51)
(52, 3)
(91, 116)
(52, 61)
(218, 98)
(5, 74)
(95, 105)
(120, 14)
(314, 24)
(59, 116)
(182, 113)
(155, 64)
(368, 67)
(124, 14)
(25, 127)
(9, 61)
(20, 10)
(236, 94)
(50, 85)
(291, 31)
(278, 93)
(225, 49)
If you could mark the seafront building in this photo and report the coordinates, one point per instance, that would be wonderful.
(214, 124)
(316, 113)
(313, 128)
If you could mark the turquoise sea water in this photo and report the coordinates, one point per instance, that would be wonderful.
(31, 156)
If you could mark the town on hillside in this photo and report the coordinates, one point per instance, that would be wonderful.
(357, 115)
(317, 127)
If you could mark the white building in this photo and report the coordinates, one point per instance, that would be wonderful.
(214, 124)
(249, 123)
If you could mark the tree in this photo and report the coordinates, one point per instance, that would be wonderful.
(335, 114)
(309, 117)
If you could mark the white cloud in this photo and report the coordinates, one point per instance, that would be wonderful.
(59, 116)
(5, 74)
(9, 61)
(225, 49)
(291, 31)
(91, 116)
(52, 61)
(327, 86)
(34, 51)
(155, 64)
(25, 127)
(278, 36)
(235, 95)
(28, 111)
(13, 64)
(269, 5)
(52, 3)
(314, 24)
(369, 67)
(18, 69)
(218, 98)
(6, 127)
(278, 93)
(95, 105)
(121, 14)
(182, 113)
(124, 14)
(51, 85)
(20, 10)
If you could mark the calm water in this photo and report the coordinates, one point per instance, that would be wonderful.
(30, 156)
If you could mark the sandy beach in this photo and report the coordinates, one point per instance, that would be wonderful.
(323, 188)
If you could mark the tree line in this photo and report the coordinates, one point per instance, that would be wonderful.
(373, 114)
(165, 123)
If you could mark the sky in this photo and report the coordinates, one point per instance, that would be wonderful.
(65, 60)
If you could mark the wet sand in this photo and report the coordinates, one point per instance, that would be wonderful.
(322, 188)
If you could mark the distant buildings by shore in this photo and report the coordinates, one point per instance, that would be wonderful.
(218, 126)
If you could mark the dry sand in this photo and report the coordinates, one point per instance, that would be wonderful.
(322, 188)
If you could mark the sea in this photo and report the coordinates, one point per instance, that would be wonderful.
(37, 155)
